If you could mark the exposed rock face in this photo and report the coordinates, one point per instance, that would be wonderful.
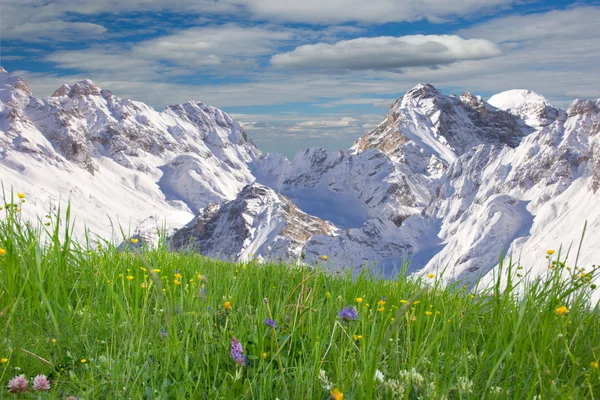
(259, 221)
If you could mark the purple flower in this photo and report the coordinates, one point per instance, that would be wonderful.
(271, 322)
(18, 384)
(164, 333)
(40, 382)
(237, 352)
(348, 314)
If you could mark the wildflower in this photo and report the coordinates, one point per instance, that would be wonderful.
(143, 269)
(2, 251)
(178, 275)
(381, 309)
(18, 384)
(175, 281)
(348, 314)
(428, 313)
(404, 301)
(416, 302)
(40, 382)
(561, 310)
(129, 277)
(237, 352)
(3, 360)
(271, 322)
(336, 395)
(594, 364)
(328, 295)
(379, 378)
(356, 337)
(163, 333)
(144, 285)
(550, 252)
(431, 276)
(359, 300)
(134, 240)
(21, 195)
(324, 258)
(265, 355)
(414, 318)
(83, 360)
(381, 302)
(53, 340)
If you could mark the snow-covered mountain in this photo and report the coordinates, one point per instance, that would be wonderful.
(446, 182)
(118, 161)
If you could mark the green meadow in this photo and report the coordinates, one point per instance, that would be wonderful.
(152, 324)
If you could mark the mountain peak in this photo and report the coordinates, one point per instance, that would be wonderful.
(85, 87)
(532, 107)
(12, 80)
(422, 91)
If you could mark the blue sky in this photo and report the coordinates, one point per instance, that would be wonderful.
(303, 73)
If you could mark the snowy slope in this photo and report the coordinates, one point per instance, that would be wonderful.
(118, 161)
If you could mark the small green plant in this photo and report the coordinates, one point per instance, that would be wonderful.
(152, 324)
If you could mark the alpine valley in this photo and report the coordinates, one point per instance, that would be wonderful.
(446, 182)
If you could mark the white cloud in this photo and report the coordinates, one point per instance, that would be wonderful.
(373, 11)
(387, 52)
(212, 45)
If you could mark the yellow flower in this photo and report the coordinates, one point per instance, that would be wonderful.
(381, 302)
(176, 282)
(134, 240)
(416, 302)
(129, 277)
(53, 340)
(428, 313)
(328, 295)
(21, 195)
(191, 281)
(431, 276)
(336, 395)
(381, 309)
(367, 305)
(265, 355)
(227, 305)
(403, 301)
(359, 300)
(156, 271)
(550, 252)
(164, 290)
(562, 310)
(2, 251)
(414, 318)
(178, 276)
(593, 364)
(324, 258)
(83, 360)
(143, 269)
(356, 337)
(3, 360)
(144, 285)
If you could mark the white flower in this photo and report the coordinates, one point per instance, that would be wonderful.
(379, 378)
(465, 385)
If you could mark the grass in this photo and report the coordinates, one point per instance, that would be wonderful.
(102, 325)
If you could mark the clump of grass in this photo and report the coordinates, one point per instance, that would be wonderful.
(101, 323)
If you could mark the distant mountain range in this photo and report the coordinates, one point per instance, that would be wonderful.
(447, 182)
